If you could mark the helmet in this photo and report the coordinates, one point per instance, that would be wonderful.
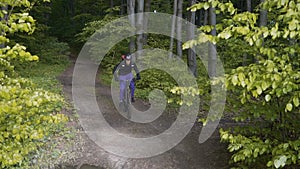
(123, 57)
(128, 57)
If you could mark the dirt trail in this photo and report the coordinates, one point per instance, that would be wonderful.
(188, 154)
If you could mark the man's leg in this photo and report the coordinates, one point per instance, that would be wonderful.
(132, 89)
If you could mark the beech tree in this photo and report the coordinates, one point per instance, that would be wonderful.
(212, 51)
(179, 28)
(266, 92)
(27, 114)
(173, 27)
(130, 12)
(192, 60)
(140, 27)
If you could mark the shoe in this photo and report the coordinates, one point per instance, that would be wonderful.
(132, 99)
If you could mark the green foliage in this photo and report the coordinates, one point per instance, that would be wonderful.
(266, 93)
(96, 33)
(154, 79)
(68, 18)
(158, 41)
(27, 117)
(157, 76)
(92, 27)
(28, 114)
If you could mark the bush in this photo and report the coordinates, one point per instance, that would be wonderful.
(27, 116)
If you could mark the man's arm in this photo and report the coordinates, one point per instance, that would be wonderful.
(115, 71)
(138, 77)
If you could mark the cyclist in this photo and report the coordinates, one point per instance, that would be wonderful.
(123, 72)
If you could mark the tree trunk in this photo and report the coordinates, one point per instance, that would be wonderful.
(205, 19)
(123, 7)
(212, 60)
(140, 27)
(111, 3)
(179, 29)
(147, 9)
(173, 28)
(192, 61)
(130, 11)
(263, 16)
(249, 8)
(245, 56)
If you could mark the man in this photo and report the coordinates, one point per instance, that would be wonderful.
(123, 72)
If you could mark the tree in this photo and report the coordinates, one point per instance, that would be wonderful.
(123, 7)
(140, 27)
(249, 9)
(27, 114)
(130, 12)
(173, 28)
(192, 61)
(179, 28)
(263, 18)
(249, 5)
(147, 9)
(212, 52)
(265, 93)
(268, 90)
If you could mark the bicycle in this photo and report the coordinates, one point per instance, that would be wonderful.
(127, 100)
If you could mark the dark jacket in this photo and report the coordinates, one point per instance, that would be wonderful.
(123, 69)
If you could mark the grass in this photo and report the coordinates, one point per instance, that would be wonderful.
(45, 75)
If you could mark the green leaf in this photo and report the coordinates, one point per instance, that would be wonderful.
(259, 90)
(292, 25)
(293, 34)
(280, 162)
(296, 101)
(241, 76)
(225, 35)
(234, 80)
(222, 7)
(289, 107)
(265, 85)
(266, 33)
(243, 30)
(267, 97)
(206, 5)
(214, 4)
(193, 9)
(270, 163)
(286, 33)
(273, 32)
(277, 77)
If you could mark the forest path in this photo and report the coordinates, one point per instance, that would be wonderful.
(188, 154)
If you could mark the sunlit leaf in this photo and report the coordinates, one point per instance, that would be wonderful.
(296, 101)
(267, 97)
(289, 107)
(206, 5)
(280, 162)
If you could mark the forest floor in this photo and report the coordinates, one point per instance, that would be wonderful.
(188, 154)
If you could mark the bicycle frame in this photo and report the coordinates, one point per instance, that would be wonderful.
(127, 100)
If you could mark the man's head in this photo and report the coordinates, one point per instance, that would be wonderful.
(128, 57)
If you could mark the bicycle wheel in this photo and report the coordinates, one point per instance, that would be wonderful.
(127, 100)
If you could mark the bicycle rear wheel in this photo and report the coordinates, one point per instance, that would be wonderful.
(127, 100)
